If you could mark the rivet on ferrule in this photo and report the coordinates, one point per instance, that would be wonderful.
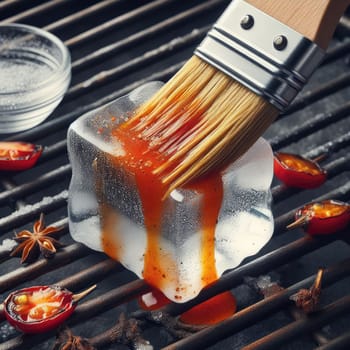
(280, 42)
(247, 22)
(274, 61)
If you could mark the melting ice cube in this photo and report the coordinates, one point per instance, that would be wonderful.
(197, 234)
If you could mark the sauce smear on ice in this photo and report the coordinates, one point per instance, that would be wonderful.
(140, 160)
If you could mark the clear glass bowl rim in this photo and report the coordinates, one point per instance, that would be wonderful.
(60, 76)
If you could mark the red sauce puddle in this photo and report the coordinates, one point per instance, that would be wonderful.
(140, 161)
(209, 312)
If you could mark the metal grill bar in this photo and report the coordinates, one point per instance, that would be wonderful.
(341, 193)
(259, 310)
(148, 33)
(7, 3)
(117, 21)
(339, 343)
(89, 11)
(55, 149)
(16, 192)
(67, 255)
(279, 192)
(281, 223)
(330, 146)
(31, 212)
(35, 11)
(281, 336)
(318, 122)
(132, 65)
(29, 135)
(324, 90)
(336, 52)
(63, 121)
(22, 217)
(85, 310)
(259, 266)
(63, 172)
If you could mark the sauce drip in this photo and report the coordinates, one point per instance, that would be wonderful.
(110, 243)
(211, 188)
(139, 158)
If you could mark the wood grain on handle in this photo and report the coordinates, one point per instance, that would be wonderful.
(315, 19)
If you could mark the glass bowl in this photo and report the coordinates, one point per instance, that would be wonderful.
(35, 70)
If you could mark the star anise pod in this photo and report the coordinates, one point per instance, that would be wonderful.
(66, 340)
(128, 332)
(308, 299)
(31, 244)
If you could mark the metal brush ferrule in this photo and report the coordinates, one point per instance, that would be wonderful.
(261, 53)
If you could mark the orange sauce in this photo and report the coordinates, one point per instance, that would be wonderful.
(212, 311)
(212, 190)
(140, 161)
(327, 209)
(109, 240)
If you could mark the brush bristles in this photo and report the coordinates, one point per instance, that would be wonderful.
(201, 120)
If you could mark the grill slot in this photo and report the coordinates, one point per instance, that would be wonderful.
(117, 45)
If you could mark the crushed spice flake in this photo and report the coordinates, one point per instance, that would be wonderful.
(66, 340)
(308, 299)
(127, 331)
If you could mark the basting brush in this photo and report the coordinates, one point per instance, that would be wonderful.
(248, 69)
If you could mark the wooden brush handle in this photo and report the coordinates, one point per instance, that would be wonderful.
(315, 19)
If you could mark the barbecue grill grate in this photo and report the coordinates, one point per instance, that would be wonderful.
(117, 45)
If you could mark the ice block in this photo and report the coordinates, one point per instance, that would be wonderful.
(182, 243)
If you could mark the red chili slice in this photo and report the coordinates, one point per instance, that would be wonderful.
(40, 309)
(296, 171)
(16, 156)
(321, 218)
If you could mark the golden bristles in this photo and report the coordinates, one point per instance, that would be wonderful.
(201, 119)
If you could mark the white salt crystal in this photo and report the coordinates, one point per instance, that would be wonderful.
(34, 207)
(7, 245)
(149, 299)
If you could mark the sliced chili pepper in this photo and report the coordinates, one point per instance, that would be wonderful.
(16, 156)
(39, 309)
(320, 218)
(296, 171)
